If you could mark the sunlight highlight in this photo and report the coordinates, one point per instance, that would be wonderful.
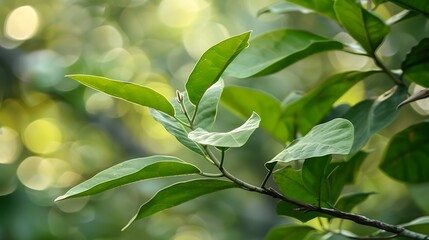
(22, 23)
(43, 136)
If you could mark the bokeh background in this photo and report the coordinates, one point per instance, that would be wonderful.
(55, 133)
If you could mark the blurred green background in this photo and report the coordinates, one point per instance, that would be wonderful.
(55, 133)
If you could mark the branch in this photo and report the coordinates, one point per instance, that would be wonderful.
(362, 220)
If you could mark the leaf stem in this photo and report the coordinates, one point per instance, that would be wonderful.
(267, 177)
(389, 73)
(221, 159)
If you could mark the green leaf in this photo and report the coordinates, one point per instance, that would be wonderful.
(416, 64)
(406, 156)
(176, 129)
(348, 202)
(368, 29)
(325, 7)
(313, 107)
(131, 171)
(290, 210)
(273, 51)
(315, 176)
(289, 232)
(342, 173)
(235, 138)
(207, 109)
(127, 91)
(284, 7)
(371, 116)
(212, 64)
(290, 183)
(420, 6)
(244, 101)
(420, 225)
(179, 193)
(333, 137)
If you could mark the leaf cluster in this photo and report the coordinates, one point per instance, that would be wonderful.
(324, 146)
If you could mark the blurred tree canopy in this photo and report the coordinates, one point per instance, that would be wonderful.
(55, 133)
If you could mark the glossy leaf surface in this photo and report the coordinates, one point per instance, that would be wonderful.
(406, 156)
(344, 173)
(212, 64)
(179, 193)
(368, 29)
(371, 116)
(273, 51)
(333, 137)
(235, 138)
(127, 91)
(416, 65)
(131, 171)
(315, 176)
(314, 105)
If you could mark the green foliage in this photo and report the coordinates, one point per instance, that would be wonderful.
(348, 202)
(273, 51)
(333, 137)
(128, 91)
(416, 63)
(267, 107)
(212, 64)
(324, 7)
(406, 156)
(234, 138)
(370, 116)
(419, 6)
(368, 29)
(179, 193)
(324, 141)
(316, 104)
(131, 171)
(289, 232)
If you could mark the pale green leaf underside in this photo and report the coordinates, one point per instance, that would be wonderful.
(179, 193)
(333, 137)
(212, 64)
(131, 171)
(207, 109)
(235, 138)
(127, 91)
(176, 129)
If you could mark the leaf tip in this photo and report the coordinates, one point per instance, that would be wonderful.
(129, 223)
(62, 197)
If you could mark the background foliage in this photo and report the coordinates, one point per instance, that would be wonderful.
(55, 133)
